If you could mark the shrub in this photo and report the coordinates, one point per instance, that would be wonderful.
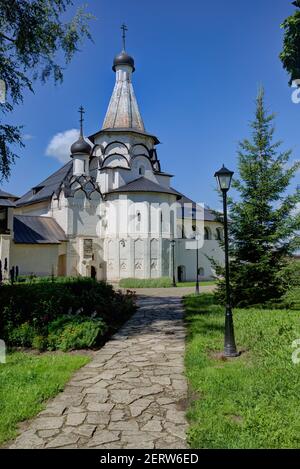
(68, 333)
(40, 302)
(21, 336)
(161, 282)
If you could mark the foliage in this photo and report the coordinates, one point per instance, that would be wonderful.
(263, 221)
(40, 303)
(251, 401)
(161, 282)
(27, 381)
(69, 333)
(35, 43)
(22, 335)
(290, 275)
(290, 55)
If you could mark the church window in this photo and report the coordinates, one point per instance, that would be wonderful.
(141, 170)
(37, 189)
(219, 236)
(138, 216)
(201, 271)
(87, 248)
(3, 219)
(206, 233)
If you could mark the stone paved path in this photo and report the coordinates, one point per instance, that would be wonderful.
(132, 394)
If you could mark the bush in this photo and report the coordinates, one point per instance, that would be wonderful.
(161, 282)
(69, 333)
(21, 336)
(40, 302)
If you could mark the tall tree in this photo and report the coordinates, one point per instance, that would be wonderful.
(36, 42)
(263, 223)
(290, 55)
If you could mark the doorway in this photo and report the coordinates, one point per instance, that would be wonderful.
(93, 273)
(61, 266)
(181, 274)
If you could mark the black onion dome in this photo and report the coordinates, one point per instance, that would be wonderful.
(81, 146)
(123, 59)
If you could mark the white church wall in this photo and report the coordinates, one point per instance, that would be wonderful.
(40, 260)
(59, 211)
(83, 214)
(37, 209)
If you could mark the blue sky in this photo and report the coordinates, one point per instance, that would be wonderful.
(198, 67)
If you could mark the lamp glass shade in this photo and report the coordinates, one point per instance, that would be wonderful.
(224, 177)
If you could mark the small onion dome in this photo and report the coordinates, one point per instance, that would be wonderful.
(81, 146)
(123, 59)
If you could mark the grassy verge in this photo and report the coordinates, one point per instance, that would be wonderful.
(193, 284)
(162, 282)
(27, 380)
(248, 402)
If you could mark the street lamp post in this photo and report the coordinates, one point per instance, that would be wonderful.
(224, 177)
(197, 266)
(173, 262)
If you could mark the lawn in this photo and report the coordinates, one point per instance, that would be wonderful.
(160, 282)
(248, 402)
(27, 380)
(193, 284)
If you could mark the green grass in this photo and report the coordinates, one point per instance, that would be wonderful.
(252, 401)
(162, 282)
(27, 380)
(193, 284)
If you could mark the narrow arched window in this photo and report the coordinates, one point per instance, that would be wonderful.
(219, 234)
(141, 170)
(206, 233)
(138, 216)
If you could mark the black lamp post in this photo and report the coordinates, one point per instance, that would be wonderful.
(173, 262)
(224, 177)
(197, 265)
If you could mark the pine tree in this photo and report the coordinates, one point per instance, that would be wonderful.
(263, 221)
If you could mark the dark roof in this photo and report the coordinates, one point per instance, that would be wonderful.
(122, 129)
(123, 59)
(6, 195)
(47, 187)
(143, 184)
(6, 203)
(208, 213)
(37, 230)
(81, 146)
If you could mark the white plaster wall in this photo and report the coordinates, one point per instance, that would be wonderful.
(38, 209)
(5, 252)
(34, 258)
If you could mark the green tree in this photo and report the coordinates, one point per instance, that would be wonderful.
(36, 42)
(290, 55)
(263, 220)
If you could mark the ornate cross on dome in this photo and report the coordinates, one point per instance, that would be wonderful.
(81, 112)
(124, 29)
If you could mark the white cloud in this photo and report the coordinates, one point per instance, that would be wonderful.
(27, 136)
(59, 145)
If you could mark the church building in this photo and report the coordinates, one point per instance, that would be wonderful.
(111, 212)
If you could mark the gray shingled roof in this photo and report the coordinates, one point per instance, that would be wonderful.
(6, 195)
(122, 130)
(143, 184)
(46, 188)
(208, 213)
(6, 203)
(37, 230)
